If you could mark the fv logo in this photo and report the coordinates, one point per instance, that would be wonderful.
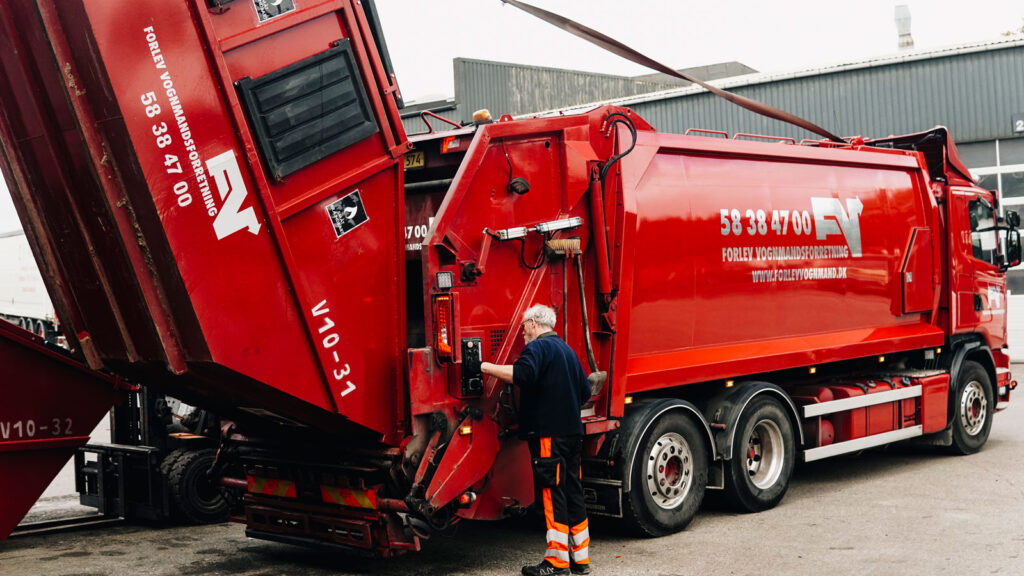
(831, 218)
(231, 217)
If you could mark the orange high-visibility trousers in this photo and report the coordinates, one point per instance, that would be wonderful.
(557, 475)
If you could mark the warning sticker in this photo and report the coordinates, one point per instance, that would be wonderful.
(267, 9)
(347, 213)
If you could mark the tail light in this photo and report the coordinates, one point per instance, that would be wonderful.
(444, 327)
(451, 144)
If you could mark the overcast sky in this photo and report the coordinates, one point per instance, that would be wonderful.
(770, 36)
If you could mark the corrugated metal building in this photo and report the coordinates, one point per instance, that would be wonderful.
(413, 117)
(976, 90)
(515, 89)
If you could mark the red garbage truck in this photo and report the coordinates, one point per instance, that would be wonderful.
(225, 206)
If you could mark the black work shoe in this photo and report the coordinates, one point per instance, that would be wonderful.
(543, 569)
(579, 568)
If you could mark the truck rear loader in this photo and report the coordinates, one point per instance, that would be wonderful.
(225, 205)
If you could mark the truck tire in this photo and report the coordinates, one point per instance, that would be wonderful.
(972, 409)
(196, 498)
(763, 455)
(669, 475)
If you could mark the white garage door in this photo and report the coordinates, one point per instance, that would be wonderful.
(1015, 326)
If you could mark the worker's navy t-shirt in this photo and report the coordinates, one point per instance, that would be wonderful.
(552, 387)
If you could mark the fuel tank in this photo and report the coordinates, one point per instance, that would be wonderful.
(213, 195)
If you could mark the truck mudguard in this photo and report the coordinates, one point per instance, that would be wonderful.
(724, 410)
(639, 419)
(965, 350)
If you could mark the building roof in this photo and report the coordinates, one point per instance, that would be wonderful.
(767, 78)
(973, 89)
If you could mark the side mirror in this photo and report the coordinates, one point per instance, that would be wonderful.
(1013, 248)
(1012, 219)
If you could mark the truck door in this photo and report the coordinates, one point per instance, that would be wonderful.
(980, 287)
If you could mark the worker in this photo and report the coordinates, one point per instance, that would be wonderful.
(552, 387)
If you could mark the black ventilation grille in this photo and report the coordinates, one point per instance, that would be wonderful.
(309, 110)
(497, 338)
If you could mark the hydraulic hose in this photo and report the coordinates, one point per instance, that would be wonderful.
(586, 320)
(598, 204)
(599, 235)
(565, 301)
(611, 120)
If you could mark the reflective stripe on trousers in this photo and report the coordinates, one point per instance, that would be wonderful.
(557, 553)
(563, 504)
(579, 540)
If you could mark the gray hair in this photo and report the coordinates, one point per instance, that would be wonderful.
(542, 315)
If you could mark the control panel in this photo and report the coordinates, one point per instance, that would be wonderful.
(472, 378)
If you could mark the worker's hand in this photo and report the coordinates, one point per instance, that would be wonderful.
(499, 371)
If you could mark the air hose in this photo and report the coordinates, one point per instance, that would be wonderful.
(570, 248)
(586, 321)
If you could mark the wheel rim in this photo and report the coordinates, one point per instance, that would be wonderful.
(973, 408)
(765, 454)
(208, 493)
(669, 471)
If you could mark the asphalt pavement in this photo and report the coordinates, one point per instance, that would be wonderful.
(892, 512)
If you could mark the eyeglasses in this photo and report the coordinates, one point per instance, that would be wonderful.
(523, 323)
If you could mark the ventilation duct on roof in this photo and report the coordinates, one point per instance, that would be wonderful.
(902, 17)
